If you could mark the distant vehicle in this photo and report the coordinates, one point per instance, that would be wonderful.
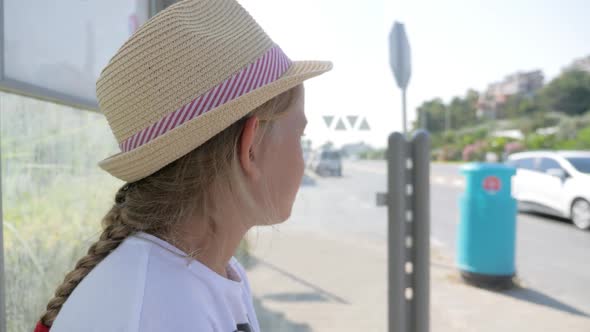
(326, 162)
(554, 182)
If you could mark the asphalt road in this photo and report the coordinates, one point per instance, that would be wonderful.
(552, 255)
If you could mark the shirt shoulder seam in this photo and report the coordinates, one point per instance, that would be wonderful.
(140, 315)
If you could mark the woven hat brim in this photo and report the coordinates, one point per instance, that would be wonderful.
(154, 155)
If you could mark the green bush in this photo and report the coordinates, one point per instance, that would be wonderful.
(539, 142)
(581, 141)
(447, 153)
(54, 197)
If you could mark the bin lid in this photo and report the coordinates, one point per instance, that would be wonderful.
(488, 167)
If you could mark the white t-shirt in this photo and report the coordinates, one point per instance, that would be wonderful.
(148, 285)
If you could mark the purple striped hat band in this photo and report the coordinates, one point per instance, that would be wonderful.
(266, 69)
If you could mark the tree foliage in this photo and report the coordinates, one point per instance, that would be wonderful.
(568, 93)
(461, 113)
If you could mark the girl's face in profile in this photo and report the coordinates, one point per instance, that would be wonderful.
(283, 163)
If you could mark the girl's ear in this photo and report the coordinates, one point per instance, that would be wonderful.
(248, 151)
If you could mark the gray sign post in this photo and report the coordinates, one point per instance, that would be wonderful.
(420, 207)
(408, 211)
(408, 203)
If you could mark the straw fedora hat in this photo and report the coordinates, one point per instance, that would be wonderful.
(186, 75)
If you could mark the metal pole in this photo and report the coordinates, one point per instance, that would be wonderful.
(424, 119)
(396, 202)
(157, 6)
(408, 237)
(153, 8)
(447, 119)
(420, 154)
(2, 286)
(2, 279)
(2, 20)
(404, 122)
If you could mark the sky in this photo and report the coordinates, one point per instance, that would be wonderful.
(456, 45)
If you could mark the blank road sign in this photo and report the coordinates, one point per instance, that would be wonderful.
(400, 55)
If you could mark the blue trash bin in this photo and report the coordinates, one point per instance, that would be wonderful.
(487, 229)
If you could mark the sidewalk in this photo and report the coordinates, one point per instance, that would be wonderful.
(310, 282)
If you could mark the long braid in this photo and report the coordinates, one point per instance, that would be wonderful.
(115, 230)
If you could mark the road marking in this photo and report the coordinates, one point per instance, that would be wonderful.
(436, 179)
(311, 174)
(441, 180)
(459, 183)
(436, 242)
(364, 168)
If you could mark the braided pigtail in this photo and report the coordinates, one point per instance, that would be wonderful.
(115, 230)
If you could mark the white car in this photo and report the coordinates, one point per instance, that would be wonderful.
(554, 182)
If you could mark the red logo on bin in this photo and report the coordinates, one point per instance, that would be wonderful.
(492, 184)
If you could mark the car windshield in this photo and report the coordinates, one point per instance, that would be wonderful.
(582, 164)
(330, 155)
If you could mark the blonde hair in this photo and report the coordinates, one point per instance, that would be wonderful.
(162, 201)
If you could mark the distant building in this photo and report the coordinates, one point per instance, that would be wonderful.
(582, 64)
(491, 101)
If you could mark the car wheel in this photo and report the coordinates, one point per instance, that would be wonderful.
(581, 213)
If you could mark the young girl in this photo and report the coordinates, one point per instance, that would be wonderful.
(208, 112)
